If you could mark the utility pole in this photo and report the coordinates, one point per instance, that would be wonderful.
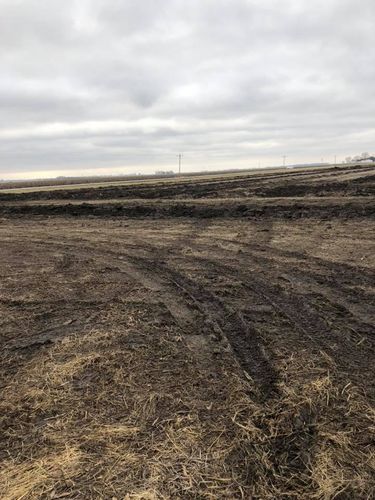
(335, 161)
(180, 156)
(284, 158)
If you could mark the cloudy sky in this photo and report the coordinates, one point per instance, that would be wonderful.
(120, 86)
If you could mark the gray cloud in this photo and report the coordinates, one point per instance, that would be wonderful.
(89, 86)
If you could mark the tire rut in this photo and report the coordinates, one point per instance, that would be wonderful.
(225, 322)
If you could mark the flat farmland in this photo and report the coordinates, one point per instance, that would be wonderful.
(207, 338)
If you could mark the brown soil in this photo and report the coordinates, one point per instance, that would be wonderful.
(341, 181)
(190, 348)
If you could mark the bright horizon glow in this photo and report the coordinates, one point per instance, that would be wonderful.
(147, 170)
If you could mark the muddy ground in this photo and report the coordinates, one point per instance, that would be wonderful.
(322, 182)
(216, 341)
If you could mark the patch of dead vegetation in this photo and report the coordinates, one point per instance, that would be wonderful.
(136, 413)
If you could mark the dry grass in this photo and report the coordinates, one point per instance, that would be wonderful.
(30, 478)
(92, 418)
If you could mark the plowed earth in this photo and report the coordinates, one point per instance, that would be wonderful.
(154, 347)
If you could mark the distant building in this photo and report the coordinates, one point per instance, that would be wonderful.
(164, 172)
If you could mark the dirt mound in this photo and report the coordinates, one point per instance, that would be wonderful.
(293, 209)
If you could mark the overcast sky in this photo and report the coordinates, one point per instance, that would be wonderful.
(112, 86)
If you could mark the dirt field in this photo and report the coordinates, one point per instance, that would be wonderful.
(206, 339)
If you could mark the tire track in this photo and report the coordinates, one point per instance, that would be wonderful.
(224, 321)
